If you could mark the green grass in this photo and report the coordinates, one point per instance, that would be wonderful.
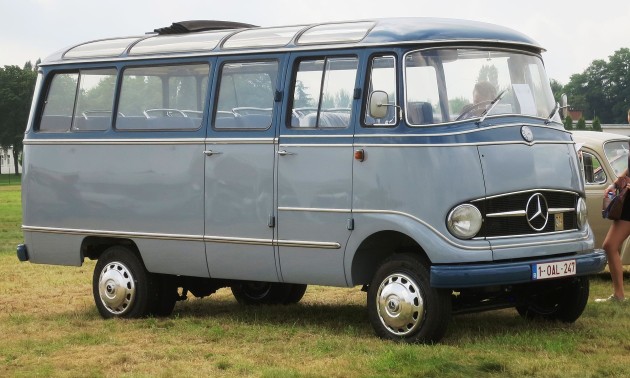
(10, 179)
(50, 327)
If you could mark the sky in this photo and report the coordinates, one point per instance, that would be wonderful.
(574, 33)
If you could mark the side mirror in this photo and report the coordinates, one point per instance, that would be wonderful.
(378, 104)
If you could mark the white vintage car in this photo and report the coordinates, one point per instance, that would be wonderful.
(604, 156)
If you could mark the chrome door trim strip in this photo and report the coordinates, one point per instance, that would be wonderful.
(114, 234)
(316, 136)
(457, 132)
(240, 140)
(314, 209)
(135, 141)
(357, 144)
(315, 145)
(182, 237)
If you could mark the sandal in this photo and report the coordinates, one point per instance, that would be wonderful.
(612, 298)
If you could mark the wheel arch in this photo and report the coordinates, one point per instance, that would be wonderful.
(378, 247)
(93, 247)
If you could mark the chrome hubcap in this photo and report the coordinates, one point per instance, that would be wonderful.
(116, 288)
(400, 304)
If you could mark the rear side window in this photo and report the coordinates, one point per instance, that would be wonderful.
(79, 101)
(323, 92)
(162, 97)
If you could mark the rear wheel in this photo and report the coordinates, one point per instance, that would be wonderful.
(402, 305)
(562, 300)
(121, 285)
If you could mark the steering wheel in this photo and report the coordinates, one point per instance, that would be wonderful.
(470, 111)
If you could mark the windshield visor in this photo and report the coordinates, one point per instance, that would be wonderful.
(451, 85)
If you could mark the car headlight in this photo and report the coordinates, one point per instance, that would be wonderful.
(581, 213)
(464, 221)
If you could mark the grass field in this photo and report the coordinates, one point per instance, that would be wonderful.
(50, 327)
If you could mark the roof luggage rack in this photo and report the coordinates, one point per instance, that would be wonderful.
(194, 26)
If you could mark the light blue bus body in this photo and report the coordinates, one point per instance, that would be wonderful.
(251, 158)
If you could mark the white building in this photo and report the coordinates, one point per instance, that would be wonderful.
(7, 165)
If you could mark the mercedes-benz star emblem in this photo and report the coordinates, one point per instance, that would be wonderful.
(527, 134)
(537, 212)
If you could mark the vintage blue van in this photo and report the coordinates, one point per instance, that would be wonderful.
(423, 159)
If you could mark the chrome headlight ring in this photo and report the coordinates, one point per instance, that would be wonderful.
(464, 221)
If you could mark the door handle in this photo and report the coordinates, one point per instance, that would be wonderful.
(285, 153)
(210, 153)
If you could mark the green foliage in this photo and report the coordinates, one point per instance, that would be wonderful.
(489, 74)
(568, 122)
(16, 91)
(457, 104)
(557, 89)
(603, 88)
(581, 124)
(597, 125)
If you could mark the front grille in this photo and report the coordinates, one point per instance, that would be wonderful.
(514, 221)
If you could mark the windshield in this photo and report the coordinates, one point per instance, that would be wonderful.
(617, 154)
(449, 85)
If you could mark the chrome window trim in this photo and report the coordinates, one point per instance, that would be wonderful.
(135, 141)
(594, 156)
(451, 47)
(183, 237)
(396, 106)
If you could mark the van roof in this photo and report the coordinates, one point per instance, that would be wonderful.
(246, 38)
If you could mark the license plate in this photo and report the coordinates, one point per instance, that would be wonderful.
(553, 270)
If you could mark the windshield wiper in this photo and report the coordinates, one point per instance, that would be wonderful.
(492, 105)
(553, 113)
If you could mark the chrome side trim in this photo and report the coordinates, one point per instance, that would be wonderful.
(477, 130)
(240, 140)
(314, 209)
(148, 141)
(114, 234)
(528, 235)
(182, 237)
(314, 145)
(461, 144)
(318, 136)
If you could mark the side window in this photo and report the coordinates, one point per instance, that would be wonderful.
(323, 92)
(79, 101)
(95, 100)
(162, 97)
(246, 95)
(383, 78)
(59, 104)
(593, 171)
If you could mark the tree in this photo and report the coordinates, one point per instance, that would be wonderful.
(556, 89)
(597, 125)
(489, 74)
(568, 122)
(16, 91)
(581, 124)
(603, 89)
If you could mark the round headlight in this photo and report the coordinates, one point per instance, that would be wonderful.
(581, 213)
(464, 221)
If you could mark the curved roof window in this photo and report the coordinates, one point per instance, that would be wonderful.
(267, 37)
(104, 48)
(178, 43)
(336, 33)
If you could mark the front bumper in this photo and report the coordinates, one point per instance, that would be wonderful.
(507, 273)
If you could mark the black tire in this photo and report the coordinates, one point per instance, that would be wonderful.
(295, 294)
(121, 285)
(259, 293)
(166, 296)
(402, 305)
(564, 301)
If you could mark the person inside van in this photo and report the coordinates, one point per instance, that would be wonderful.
(483, 93)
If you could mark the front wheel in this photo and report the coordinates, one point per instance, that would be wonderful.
(121, 285)
(402, 305)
